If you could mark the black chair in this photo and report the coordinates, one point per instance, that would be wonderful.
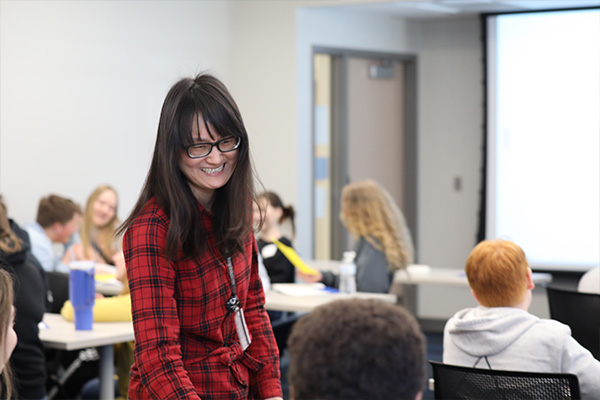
(59, 286)
(581, 311)
(455, 382)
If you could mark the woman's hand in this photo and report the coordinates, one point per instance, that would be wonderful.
(309, 278)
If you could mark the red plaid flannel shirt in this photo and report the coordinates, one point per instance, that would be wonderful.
(186, 345)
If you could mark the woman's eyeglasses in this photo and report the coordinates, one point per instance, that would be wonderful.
(224, 145)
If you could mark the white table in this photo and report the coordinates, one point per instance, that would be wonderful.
(277, 301)
(61, 334)
(442, 277)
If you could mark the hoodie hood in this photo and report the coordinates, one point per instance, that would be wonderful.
(493, 329)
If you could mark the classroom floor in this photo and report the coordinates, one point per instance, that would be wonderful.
(434, 352)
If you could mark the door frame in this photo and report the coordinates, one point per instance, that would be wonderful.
(339, 129)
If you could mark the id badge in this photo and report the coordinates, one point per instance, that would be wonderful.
(242, 329)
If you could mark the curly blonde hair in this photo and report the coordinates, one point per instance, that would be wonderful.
(368, 211)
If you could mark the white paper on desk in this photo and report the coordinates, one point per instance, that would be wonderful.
(300, 289)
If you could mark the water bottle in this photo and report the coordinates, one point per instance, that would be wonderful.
(348, 273)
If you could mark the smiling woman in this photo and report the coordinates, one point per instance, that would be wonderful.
(197, 303)
(98, 240)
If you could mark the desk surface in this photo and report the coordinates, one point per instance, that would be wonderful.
(61, 334)
(453, 277)
(277, 301)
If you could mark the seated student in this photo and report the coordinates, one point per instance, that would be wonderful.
(590, 281)
(269, 214)
(501, 334)
(8, 336)
(384, 242)
(357, 349)
(57, 221)
(98, 240)
(30, 294)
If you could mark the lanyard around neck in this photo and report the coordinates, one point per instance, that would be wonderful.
(233, 303)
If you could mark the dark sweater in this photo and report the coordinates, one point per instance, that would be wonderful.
(28, 361)
(279, 268)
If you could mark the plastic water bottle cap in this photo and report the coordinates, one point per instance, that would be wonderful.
(348, 257)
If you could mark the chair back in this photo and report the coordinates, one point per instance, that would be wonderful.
(456, 382)
(59, 286)
(581, 311)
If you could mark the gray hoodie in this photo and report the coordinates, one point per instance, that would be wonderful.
(513, 339)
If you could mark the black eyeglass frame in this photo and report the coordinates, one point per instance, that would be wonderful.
(216, 144)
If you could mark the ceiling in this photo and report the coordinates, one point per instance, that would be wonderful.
(433, 9)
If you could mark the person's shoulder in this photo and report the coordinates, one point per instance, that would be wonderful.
(151, 210)
(551, 328)
(34, 230)
(286, 241)
(32, 226)
(151, 215)
(590, 281)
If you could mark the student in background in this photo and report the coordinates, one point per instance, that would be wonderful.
(269, 214)
(100, 221)
(383, 245)
(57, 221)
(501, 334)
(28, 359)
(590, 281)
(191, 258)
(8, 336)
(357, 349)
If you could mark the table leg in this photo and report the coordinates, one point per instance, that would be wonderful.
(106, 373)
(410, 298)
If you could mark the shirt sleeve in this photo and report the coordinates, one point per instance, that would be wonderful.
(330, 279)
(579, 361)
(266, 382)
(155, 319)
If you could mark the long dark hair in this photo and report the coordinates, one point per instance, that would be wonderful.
(231, 208)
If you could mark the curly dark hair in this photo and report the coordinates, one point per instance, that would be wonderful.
(356, 349)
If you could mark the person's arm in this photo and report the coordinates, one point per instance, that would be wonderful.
(154, 311)
(579, 361)
(265, 383)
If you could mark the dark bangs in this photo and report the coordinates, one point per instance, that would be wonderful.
(205, 99)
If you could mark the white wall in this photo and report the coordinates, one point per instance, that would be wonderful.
(82, 83)
(265, 74)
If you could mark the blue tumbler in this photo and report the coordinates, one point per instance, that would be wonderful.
(82, 293)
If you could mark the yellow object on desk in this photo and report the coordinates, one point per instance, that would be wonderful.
(294, 258)
(107, 309)
(105, 277)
